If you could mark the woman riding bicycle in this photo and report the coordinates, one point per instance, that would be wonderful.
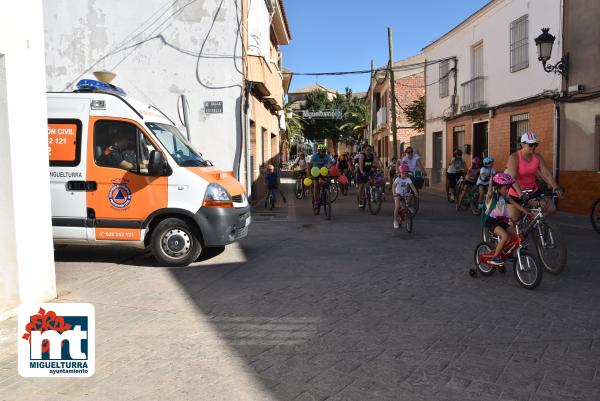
(343, 165)
(526, 165)
(367, 162)
(456, 169)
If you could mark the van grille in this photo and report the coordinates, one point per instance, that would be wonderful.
(238, 198)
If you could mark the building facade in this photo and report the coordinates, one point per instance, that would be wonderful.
(484, 87)
(213, 52)
(409, 86)
(26, 251)
(580, 107)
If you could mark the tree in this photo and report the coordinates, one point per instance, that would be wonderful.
(294, 129)
(415, 113)
(357, 119)
(319, 129)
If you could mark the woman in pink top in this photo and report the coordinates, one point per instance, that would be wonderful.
(526, 165)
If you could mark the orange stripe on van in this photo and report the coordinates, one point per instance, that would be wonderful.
(118, 234)
(224, 178)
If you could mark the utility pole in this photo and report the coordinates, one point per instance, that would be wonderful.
(393, 95)
(371, 105)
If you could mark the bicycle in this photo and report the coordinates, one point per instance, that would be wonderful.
(527, 271)
(452, 196)
(595, 215)
(271, 200)
(550, 246)
(324, 197)
(406, 214)
(372, 196)
(301, 189)
(417, 179)
(470, 200)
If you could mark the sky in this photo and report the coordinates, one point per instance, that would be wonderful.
(344, 35)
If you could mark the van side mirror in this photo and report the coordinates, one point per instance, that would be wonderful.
(156, 164)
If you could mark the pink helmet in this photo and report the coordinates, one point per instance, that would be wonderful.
(476, 162)
(404, 168)
(503, 179)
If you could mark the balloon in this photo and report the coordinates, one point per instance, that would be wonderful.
(324, 171)
(307, 182)
(333, 171)
(315, 171)
(343, 180)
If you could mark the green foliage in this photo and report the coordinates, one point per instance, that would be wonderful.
(294, 131)
(416, 114)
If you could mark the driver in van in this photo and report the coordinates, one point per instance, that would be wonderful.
(122, 153)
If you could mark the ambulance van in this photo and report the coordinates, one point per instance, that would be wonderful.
(122, 173)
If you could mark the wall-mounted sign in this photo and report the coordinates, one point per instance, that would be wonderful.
(213, 107)
(325, 114)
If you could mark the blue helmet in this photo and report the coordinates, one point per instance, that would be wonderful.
(488, 160)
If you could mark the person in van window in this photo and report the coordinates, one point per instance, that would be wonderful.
(121, 154)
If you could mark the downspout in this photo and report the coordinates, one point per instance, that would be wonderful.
(249, 171)
(556, 160)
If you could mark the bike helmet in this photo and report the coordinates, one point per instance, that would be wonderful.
(322, 146)
(404, 168)
(488, 160)
(503, 179)
(476, 162)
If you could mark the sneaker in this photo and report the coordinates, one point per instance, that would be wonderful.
(496, 261)
(396, 224)
(361, 205)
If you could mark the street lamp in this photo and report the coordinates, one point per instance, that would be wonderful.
(544, 44)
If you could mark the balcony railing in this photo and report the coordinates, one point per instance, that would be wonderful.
(473, 94)
(381, 117)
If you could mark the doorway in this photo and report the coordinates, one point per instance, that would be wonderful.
(438, 157)
(480, 139)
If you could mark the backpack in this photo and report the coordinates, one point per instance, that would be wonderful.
(485, 215)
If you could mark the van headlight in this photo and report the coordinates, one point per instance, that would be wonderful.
(217, 196)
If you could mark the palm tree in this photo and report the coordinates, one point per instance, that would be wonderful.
(359, 119)
(294, 130)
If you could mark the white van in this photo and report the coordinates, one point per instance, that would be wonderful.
(121, 172)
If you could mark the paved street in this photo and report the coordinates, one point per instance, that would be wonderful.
(307, 309)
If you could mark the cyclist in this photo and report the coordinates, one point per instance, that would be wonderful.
(456, 169)
(367, 162)
(272, 183)
(485, 174)
(469, 181)
(343, 165)
(413, 160)
(525, 165)
(495, 217)
(400, 190)
(319, 159)
(301, 165)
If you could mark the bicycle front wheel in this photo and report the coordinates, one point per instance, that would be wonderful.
(527, 271)
(413, 204)
(595, 216)
(374, 201)
(299, 188)
(551, 247)
(474, 203)
(327, 203)
(408, 224)
(335, 191)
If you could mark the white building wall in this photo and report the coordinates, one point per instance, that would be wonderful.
(154, 47)
(492, 28)
(26, 251)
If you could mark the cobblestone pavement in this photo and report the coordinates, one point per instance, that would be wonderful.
(349, 309)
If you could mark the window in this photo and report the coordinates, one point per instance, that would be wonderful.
(519, 37)
(444, 79)
(519, 124)
(121, 145)
(64, 142)
(176, 144)
(458, 138)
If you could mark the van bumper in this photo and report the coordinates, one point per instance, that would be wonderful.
(222, 226)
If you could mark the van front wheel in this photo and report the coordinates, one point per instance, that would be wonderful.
(174, 244)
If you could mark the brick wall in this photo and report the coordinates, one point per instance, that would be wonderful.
(582, 189)
(541, 121)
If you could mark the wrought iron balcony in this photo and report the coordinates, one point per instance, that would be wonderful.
(473, 94)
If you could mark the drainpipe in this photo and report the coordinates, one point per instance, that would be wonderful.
(556, 139)
(186, 116)
(249, 171)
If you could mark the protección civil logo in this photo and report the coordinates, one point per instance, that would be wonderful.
(57, 340)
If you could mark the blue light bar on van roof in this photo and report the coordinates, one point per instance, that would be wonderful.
(99, 86)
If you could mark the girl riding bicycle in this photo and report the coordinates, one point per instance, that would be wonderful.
(400, 190)
(495, 217)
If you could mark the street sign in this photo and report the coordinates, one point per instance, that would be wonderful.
(324, 114)
(213, 107)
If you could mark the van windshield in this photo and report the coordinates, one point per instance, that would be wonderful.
(177, 145)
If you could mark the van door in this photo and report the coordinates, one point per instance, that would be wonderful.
(67, 170)
(126, 196)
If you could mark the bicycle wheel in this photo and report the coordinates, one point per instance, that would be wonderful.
(299, 188)
(474, 202)
(551, 247)
(595, 216)
(326, 200)
(527, 271)
(374, 200)
(334, 191)
(271, 202)
(483, 268)
(408, 223)
(414, 203)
